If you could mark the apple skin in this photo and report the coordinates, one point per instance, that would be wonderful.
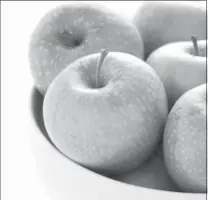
(178, 68)
(151, 174)
(111, 129)
(92, 27)
(185, 141)
(162, 22)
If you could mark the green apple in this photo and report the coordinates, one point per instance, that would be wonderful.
(181, 66)
(106, 112)
(69, 32)
(151, 174)
(185, 141)
(162, 22)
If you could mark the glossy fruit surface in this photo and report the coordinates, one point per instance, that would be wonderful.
(185, 141)
(69, 32)
(111, 128)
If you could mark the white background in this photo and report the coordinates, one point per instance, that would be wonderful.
(19, 176)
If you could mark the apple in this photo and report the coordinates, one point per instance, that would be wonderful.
(106, 111)
(69, 32)
(181, 66)
(185, 139)
(151, 174)
(162, 22)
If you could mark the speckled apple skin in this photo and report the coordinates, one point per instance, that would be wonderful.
(185, 141)
(162, 22)
(99, 28)
(112, 129)
(178, 67)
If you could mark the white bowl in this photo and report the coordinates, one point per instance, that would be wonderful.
(66, 180)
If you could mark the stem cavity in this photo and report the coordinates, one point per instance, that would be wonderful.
(104, 53)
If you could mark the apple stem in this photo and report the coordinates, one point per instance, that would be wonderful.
(104, 53)
(196, 49)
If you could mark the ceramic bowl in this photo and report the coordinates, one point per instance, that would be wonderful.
(66, 180)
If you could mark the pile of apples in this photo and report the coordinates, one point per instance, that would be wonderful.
(126, 99)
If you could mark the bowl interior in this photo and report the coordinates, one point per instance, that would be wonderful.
(36, 108)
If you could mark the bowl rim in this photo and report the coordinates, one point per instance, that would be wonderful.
(91, 173)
